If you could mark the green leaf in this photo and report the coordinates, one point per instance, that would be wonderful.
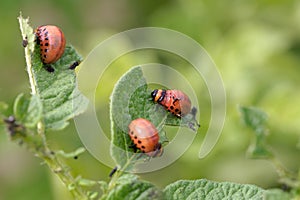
(277, 194)
(57, 91)
(256, 119)
(204, 189)
(28, 110)
(130, 187)
(86, 182)
(130, 100)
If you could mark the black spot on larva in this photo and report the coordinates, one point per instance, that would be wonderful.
(45, 56)
(46, 44)
(131, 132)
(175, 100)
(143, 151)
(139, 141)
(176, 110)
(135, 137)
(46, 38)
(143, 147)
(171, 107)
(46, 50)
(44, 29)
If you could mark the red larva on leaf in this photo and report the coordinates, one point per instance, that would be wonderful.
(145, 137)
(52, 43)
(175, 101)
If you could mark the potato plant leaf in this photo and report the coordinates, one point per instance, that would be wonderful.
(28, 110)
(130, 100)
(205, 189)
(256, 119)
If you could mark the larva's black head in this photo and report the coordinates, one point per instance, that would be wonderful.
(158, 95)
(153, 94)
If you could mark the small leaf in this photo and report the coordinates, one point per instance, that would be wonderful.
(86, 182)
(204, 189)
(130, 187)
(256, 119)
(28, 110)
(20, 106)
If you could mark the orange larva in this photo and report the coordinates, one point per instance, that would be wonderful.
(145, 137)
(175, 101)
(52, 43)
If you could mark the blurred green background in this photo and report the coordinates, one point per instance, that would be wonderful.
(255, 44)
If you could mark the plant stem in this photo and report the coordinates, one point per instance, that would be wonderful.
(120, 172)
(60, 169)
(64, 175)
